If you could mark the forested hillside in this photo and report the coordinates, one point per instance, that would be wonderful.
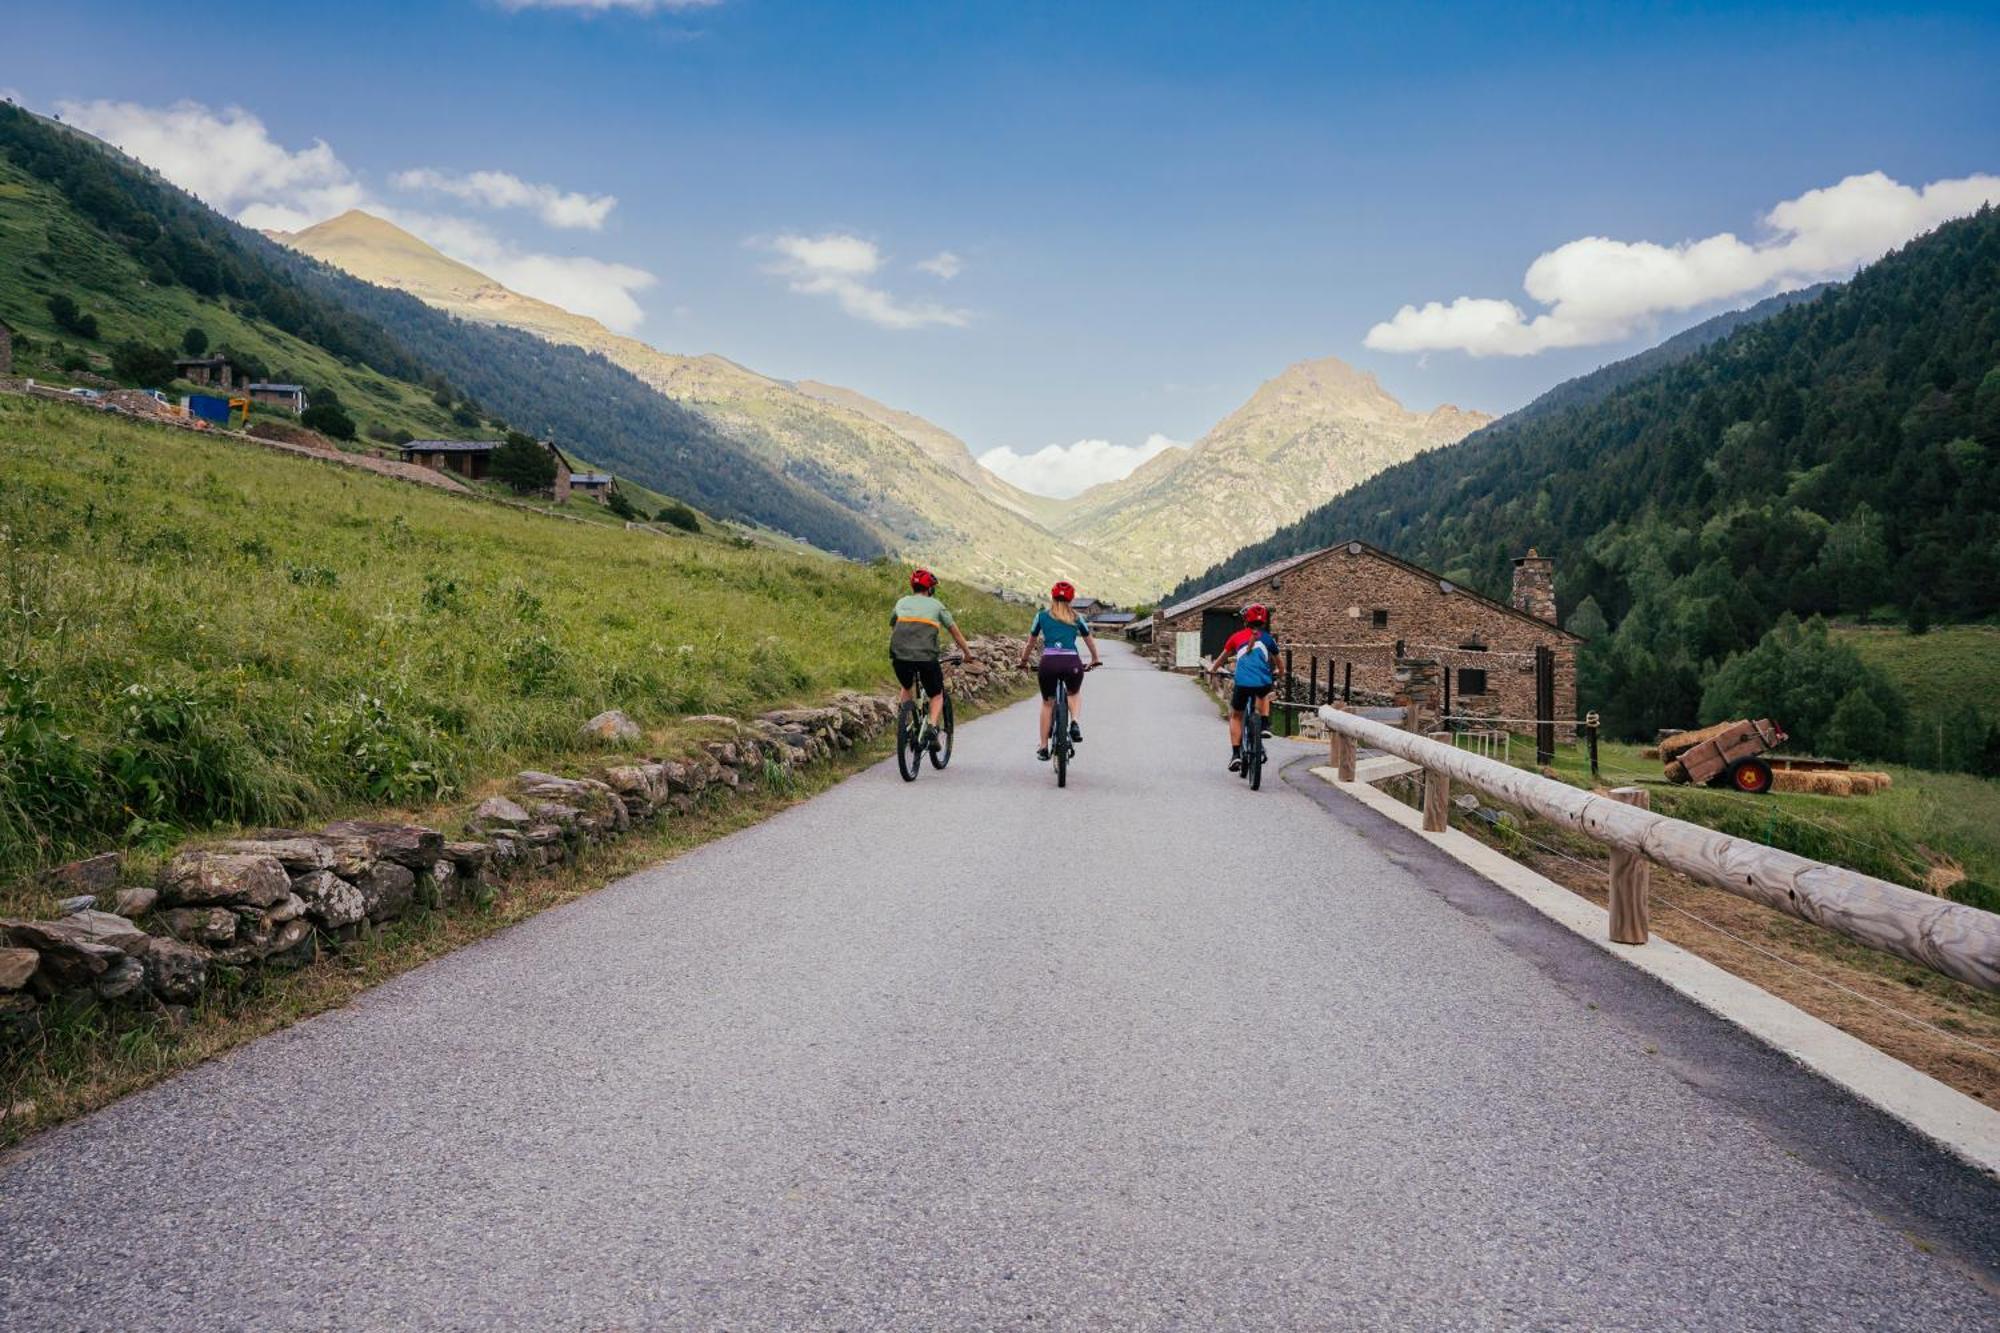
(177, 243)
(1839, 458)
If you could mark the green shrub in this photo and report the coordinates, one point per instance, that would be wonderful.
(328, 419)
(680, 516)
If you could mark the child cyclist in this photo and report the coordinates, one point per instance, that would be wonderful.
(913, 645)
(1254, 655)
(1059, 627)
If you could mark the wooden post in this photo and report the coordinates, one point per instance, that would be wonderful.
(1545, 705)
(1437, 800)
(1347, 683)
(1312, 681)
(1590, 735)
(1631, 877)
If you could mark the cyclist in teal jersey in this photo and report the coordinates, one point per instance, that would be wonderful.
(1059, 627)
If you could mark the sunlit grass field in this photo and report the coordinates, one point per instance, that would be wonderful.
(195, 631)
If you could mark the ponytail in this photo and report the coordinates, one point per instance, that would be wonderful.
(1063, 611)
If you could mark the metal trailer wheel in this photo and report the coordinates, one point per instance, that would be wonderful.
(1750, 775)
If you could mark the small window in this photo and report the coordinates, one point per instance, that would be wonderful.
(1381, 618)
(1471, 682)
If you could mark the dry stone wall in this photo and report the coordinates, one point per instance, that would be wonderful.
(279, 898)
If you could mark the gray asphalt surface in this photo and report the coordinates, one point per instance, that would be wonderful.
(1150, 1052)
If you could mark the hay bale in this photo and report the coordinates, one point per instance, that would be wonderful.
(1672, 747)
(1812, 782)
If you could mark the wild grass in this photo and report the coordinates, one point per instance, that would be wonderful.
(1898, 835)
(197, 632)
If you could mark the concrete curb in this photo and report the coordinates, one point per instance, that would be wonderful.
(1961, 1125)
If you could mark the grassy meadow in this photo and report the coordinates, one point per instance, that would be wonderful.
(1908, 834)
(196, 632)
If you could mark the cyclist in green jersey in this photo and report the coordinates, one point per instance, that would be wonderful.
(913, 641)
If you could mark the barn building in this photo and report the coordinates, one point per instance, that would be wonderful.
(1371, 621)
(291, 397)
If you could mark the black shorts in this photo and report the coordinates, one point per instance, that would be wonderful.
(909, 673)
(1064, 667)
(1243, 694)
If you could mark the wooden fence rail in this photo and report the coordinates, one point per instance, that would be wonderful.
(1959, 941)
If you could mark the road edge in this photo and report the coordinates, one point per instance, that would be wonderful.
(1963, 1126)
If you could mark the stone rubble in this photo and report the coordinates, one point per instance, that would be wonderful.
(277, 898)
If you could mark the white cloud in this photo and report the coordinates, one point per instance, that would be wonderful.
(230, 161)
(1599, 290)
(837, 265)
(612, 6)
(1063, 470)
(943, 264)
(503, 189)
(227, 159)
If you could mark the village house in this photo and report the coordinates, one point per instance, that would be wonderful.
(289, 396)
(210, 370)
(1370, 622)
(473, 460)
(592, 485)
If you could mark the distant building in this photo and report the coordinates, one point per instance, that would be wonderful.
(471, 459)
(210, 370)
(1111, 622)
(593, 485)
(291, 396)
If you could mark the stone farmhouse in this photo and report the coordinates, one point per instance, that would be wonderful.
(289, 396)
(1379, 626)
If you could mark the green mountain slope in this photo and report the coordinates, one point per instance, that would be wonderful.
(915, 485)
(1839, 456)
(202, 631)
(87, 223)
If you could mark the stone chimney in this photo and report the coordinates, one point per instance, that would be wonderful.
(1535, 585)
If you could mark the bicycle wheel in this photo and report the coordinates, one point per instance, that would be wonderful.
(1059, 734)
(1253, 749)
(909, 726)
(942, 755)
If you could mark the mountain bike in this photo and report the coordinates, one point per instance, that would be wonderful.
(915, 736)
(1061, 747)
(1253, 746)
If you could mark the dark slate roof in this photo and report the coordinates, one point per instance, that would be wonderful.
(590, 479)
(451, 446)
(1222, 590)
(1113, 618)
(282, 388)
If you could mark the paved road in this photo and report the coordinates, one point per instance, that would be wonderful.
(1151, 1052)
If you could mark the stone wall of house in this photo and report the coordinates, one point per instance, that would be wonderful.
(280, 898)
(1327, 608)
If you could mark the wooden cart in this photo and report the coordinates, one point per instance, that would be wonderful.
(1728, 754)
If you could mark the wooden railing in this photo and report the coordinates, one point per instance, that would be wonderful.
(1952, 938)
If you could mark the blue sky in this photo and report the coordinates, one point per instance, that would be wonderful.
(1151, 208)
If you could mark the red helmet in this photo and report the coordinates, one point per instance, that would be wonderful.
(1064, 591)
(922, 580)
(1256, 614)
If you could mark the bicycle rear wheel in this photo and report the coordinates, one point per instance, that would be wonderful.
(1253, 748)
(909, 727)
(942, 754)
(1059, 734)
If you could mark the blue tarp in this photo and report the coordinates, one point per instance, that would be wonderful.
(209, 408)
